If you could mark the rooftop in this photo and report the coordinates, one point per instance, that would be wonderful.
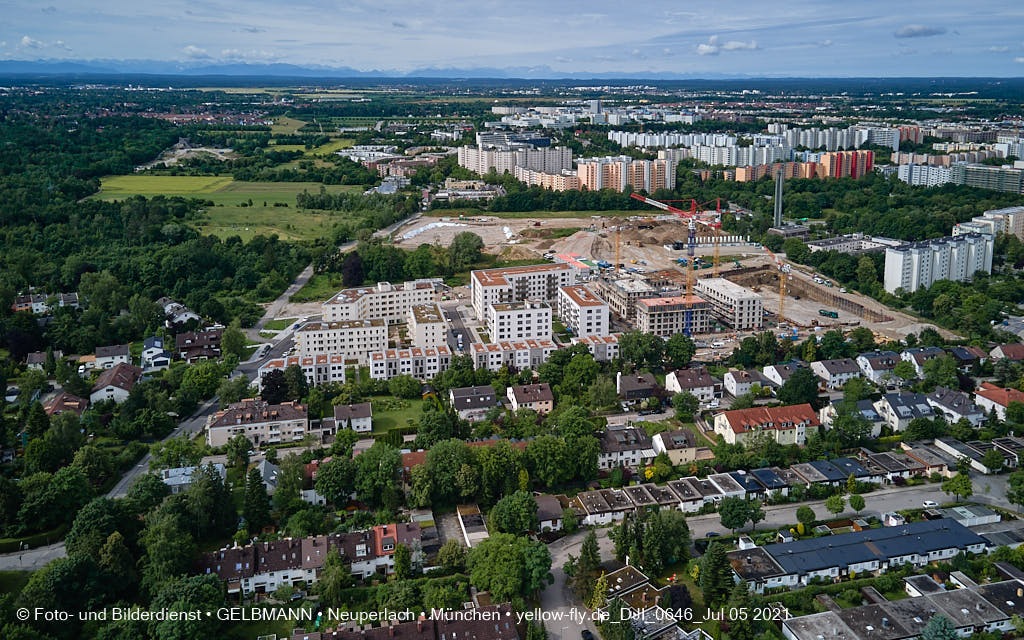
(496, 277)
(582, 296)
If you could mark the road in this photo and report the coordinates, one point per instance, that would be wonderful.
(558, 599)
(275, 307)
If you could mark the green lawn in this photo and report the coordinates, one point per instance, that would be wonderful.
(320, 287)
(286, 126)
(336, 144)
(117, 187)
(279, 324)
(384, 421)
(440, 213)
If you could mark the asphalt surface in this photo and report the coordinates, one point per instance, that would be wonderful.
(558, 600)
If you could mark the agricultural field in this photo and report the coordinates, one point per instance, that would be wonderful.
(286, 126)
(245, 209)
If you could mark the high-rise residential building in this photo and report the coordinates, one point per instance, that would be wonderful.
(918, 265)
(985, 177)
(615, 172)
(623, 293)
(527, 320)
(995, 221)
(582, 311)
(846, 164)
(386, 301)
(505, 160)
(348, 338)
(923, 175)
(516, 284)
(564, 181)
(736, 306)
(665, 317)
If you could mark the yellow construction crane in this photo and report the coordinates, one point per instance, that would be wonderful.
(618, 250)
(783, 270)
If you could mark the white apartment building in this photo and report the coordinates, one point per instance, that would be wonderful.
(319, 369)
(505, 160)
(603, 348)
(665, 317)
(385, 301)
(995, 221)
(921, 175)
(261, 423)
(920, 264)
(736, 306)
(615, 172)
(516, 284)
(347, 338)
(420, 363)
(582, 311)
(525, 320)
(427, 326)
(519, 355)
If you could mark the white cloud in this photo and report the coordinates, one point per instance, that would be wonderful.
(736, 45)
(825, 43)
(711, 48)
(31, 43)
(1019, 60)
(918, 31)
(999, 49)
(194, 52)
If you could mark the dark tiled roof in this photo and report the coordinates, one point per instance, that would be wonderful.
(474, 398)
(123, 376)
(352, 411)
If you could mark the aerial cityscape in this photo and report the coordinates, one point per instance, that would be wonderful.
(453, 321)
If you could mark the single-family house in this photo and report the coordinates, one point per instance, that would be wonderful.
(107, 357)
(180, 478)
(835, 373)
(917, 356)
(989, 397)
(357, 417)
(898, 409)
(696, 381)
(680, 446)
(878, 366)
(549, 512)
(64, 401)
(954, 406)
(154, 355)
(739, 383)
(37, 359)
(1013, 352)
(629, 447)
(115, 383)
(966, 357)
(779, 373)
(531, 396)
(193, 346)
(473, 403)
(863, 408)
(634, 388)
(771, 481)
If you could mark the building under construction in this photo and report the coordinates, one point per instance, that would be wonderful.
(665, 317)
(732, 304)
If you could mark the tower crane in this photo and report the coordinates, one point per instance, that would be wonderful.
(783, 270)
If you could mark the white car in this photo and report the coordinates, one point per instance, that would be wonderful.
(930, 504)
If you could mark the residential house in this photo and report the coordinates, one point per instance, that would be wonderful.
(532, 396)
(898, 409)
(865, 408)
(989, 398)
(785, 425)
(1013, 352)
(107, 357)
(268, 474)
(696, 381)
(602, 506)
(836, 373)
(779, 373)
(739, 383)
(180, 478)
(752, 489)
(154, 355)
(955, 406)
(193, 346)
(629, 447)
(771, 481)
(115, 384)
(917, 356)
(549, 512)
(356, 417)
(37, 359)
(64, 401)
(851, 467)
(260, 422)
(634, 388)
(680, 446)
(176, 313)
(966, 357)
(690, 498)
(473, 403)
(878, 365)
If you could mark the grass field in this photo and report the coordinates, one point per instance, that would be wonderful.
(384, 421)
(279, 324)
(287, 147)
(228, 217)
(443, 213)
(320, 287)
(336, 144)
(286, 125)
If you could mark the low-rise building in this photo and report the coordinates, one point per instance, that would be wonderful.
(667, 316)
(531, 396)
(603, 348)
(696, 381)
(110, 356)
(918, 356)
(473, 403)
(878, 366)
(180, 478)
(582, 312)
(989, 397)
(629, 447)
(193, 346)
(427, 325)
(155, 356)
(634, 388)
(680, 446)
(420, 363)
(517, 355)
(603, 506)
(778, 374)
(836, 373)
(785, 425)
(64, 401)
(898, 409)
(37, 359)
(549, 512)
(1013, 352)
(115, 383)
(740, 383)
(526, 320)
(261, 423)
(863, 408)
(954, 406)
(355, 417)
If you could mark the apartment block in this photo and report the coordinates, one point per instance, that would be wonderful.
(261, 423)
(615, 172)
(525, 320)
(915, 265)
(385, 301)
(666, 317)
(623, 293)
(846, 164)
(505, 159)
(582, 311)
(603, 348)
(516, 284)
(566, 180)
(995, 221)
(785, 425)
(736, 306)
(319, 369)
(518, 355)
(982, 176)
(921, 175)
(427, 326)
(420, 363)
(348, 338)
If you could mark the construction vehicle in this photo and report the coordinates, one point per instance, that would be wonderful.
(827, 313)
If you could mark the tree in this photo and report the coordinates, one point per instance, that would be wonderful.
(835, 504)
(959, 485)
(715, 579)
(1015, 413)
(208, 504)
(117, 562)
(237, 450)
(992, 460)
(741, 626)
(352, 270)
(509, 566)
(291, 476)
(377, 474)
(686, 405)
(857, 502)
(233, 390)
(599, 598)
(755, 514)
(403, 562)
(939, 628)
(465, 249)
(800, 388)
(904, 370)
(1015, 488)
(256, 505)
(867, 274)
(175, 452)
(37, 422)
(940, 372)
(335, 480)
(274, 388)
(734, 512)
(679, 350)
(335, 578)
(515, 513)
(295, 380)
(232, 341)
(147, 492)
(94, 524)
(95, 463)
(405, 386)
(452, 556)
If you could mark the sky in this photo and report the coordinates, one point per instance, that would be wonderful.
(868, 38)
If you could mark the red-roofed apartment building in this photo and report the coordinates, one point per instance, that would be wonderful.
(989, 397)
(785, 425)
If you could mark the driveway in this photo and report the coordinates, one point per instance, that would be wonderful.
(558, 599)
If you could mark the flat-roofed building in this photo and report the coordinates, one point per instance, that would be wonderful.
(622, 294)
(736, 306)
(527, 320)
(603, 348)
(517, 355)
(385, 301)
(421, 364)
(348, 338)
(665, 317)
(582, 311)
(427, 326)
(516, 284)
(319, 369)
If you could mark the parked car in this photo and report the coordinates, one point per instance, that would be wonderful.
(930, 504)
(712, 534)
(587, 635)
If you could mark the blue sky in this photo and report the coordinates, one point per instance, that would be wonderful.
(751, 37)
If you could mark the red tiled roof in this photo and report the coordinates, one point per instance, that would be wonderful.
(999, 395)
(743, 420)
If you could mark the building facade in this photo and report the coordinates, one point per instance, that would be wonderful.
(582, 311)
(427, 325)
(385, 301)
(736, 306)
(918, 265)
(347, 338)
(527, 320)
(665, 317)
(516, 284)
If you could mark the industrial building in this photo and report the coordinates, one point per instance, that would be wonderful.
(736, 306)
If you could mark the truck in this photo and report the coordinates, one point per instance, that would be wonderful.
(827, 313)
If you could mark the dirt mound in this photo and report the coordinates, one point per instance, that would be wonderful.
(515, 252)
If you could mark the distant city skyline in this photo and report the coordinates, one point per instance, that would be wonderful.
(800, 38)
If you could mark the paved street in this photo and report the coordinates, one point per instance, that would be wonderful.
(558, 598)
